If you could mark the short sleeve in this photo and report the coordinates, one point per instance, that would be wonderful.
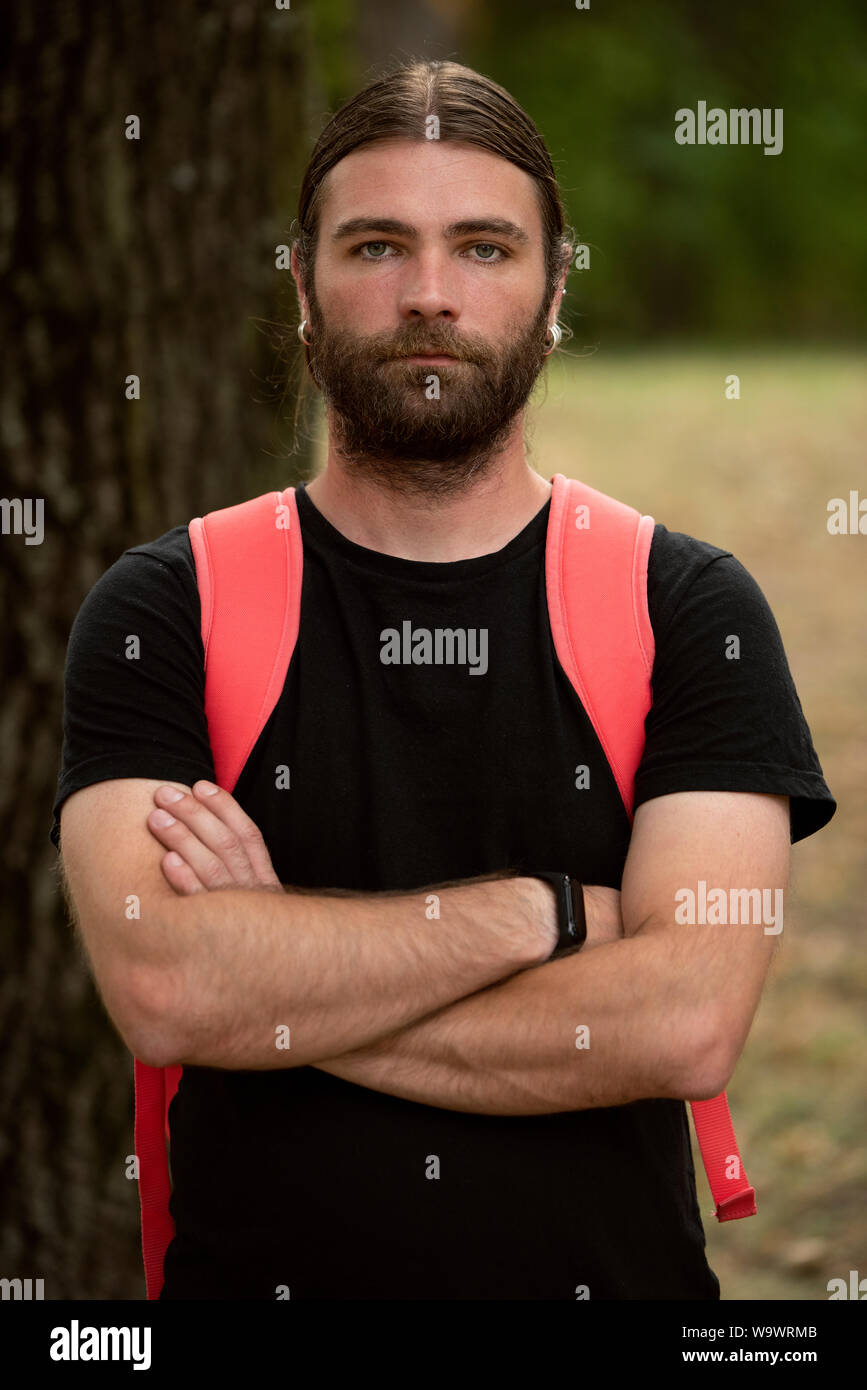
(133, 700)
(725, 714)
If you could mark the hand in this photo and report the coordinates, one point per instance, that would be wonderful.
(218, 844)
(602, 909)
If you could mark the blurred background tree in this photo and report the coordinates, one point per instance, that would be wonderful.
(147, 257)
(156, 257)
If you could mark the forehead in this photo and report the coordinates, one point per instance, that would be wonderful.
(429, 182)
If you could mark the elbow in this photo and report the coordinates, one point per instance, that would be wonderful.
(703, 1071)
(154, 1048)
(706, 1083)
(151, 1028)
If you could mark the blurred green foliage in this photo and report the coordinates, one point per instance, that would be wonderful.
(333, 52)
(720, 242)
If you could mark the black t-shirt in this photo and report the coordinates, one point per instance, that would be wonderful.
(403, 776)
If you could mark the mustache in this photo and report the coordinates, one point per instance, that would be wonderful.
(411, 348)
(418, 340)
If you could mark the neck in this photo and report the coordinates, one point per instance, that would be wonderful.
(478, 520)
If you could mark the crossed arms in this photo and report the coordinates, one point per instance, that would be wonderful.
(463, 1011)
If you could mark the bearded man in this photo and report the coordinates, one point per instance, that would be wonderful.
(433, 1131)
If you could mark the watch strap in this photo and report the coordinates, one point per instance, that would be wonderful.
(571, 914)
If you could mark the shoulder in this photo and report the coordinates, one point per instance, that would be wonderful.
(725, 713)
(157, 575)
(134, 674)
(169, 554)
(146, 604)
(171, 548)
(692, 580)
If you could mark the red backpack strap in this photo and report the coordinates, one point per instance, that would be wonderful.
(596, 578)
(248, 568)
(154, 1188)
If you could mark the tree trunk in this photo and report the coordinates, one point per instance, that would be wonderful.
(144, 258)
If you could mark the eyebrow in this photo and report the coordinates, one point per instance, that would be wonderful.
(500, 226)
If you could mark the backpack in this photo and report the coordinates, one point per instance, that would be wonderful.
(248, 561)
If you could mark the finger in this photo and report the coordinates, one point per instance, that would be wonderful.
(212, 869)
(180, 875)
(224, 805)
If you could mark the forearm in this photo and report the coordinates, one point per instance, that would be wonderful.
(266, 980)
(519, 1047)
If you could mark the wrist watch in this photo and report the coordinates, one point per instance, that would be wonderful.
(570, 910)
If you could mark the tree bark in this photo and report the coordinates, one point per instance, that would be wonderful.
(147, 257)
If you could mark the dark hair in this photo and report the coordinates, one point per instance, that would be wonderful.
(470, 108)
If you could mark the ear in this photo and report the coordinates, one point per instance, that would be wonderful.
(564, 274)
(556, 303)
(304, 307)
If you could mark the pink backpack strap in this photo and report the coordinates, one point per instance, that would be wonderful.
(596, 579)
(249, 569)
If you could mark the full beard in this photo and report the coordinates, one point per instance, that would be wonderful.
(384, 420)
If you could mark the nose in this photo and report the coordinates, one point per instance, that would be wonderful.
(429, 289)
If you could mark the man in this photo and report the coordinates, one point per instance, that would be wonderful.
(432, 1130)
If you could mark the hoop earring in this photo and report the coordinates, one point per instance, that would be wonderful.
(302, 325)
(557, 334)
